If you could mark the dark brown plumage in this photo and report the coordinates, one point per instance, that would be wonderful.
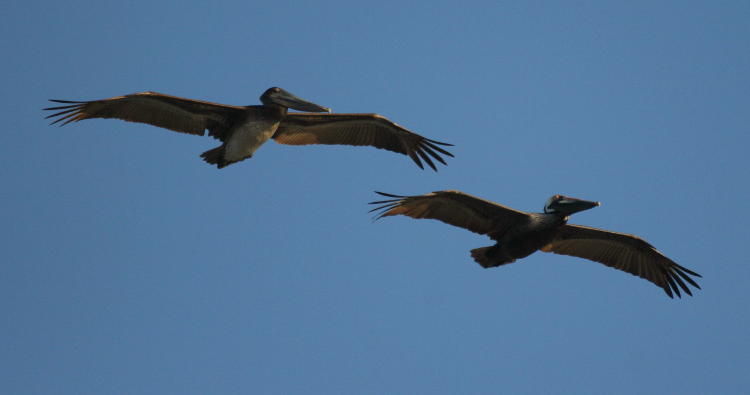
(165, 111)
(519, 234)
(359, 129)
(243, 129)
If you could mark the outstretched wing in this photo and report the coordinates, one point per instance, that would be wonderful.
(359, 129)
(625, 252)
(454, 208)
(169, 112)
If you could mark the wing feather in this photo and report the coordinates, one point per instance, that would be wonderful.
(625, 252)
(169, 112)
(359, 130)
(454, 208)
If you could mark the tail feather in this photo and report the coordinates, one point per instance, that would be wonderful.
(487, 257)
(215, 157)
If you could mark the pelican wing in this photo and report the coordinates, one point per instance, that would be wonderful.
(625, 252)
(359, 129)
(170, 112)
(454, 208)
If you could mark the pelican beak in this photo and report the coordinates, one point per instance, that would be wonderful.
(569, 205)
(288, 100)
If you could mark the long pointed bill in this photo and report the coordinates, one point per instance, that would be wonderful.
(288, 100)
(570, 205)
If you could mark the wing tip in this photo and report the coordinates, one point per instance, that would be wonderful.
(385, 205)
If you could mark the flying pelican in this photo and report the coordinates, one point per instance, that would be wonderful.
(519, 234)
(243, 129)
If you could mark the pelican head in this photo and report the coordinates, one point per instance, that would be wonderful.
(565, 205)
(280, 97)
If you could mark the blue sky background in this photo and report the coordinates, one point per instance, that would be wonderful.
(132, 267)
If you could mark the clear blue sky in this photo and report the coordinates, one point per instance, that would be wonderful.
(132, 267)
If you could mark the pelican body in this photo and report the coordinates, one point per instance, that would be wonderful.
(519, 234)
(247, 137)
(243, 129)
(531, 233)
(256, 125)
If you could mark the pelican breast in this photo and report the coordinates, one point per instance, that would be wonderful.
(248, 136)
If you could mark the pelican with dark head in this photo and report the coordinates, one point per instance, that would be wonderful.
(519, 234)
(277, 97)
(566, 206)
(243, 129)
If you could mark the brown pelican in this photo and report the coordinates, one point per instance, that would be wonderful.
(519, 234)
(243, 129)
